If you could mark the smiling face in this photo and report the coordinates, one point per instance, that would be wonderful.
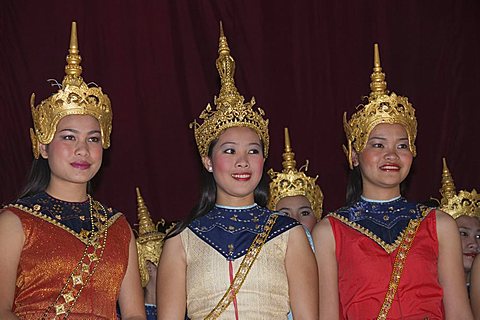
(385, 161)
(237, 166)
(469, 228)
(299, 208)
(75, 153)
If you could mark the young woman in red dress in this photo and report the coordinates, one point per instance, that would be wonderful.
(381, 256)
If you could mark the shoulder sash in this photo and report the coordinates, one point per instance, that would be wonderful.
(400, 259)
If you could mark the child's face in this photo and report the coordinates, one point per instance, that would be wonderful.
(299, 208)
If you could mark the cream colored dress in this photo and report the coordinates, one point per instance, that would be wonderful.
(264, 294)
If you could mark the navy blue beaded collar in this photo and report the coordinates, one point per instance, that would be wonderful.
(231, 231)
(73, 215)
(384, 222)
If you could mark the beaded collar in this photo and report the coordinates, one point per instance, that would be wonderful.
(73, 215)
(231, 230)
(384, 222)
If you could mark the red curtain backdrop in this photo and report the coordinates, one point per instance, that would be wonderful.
(305, 62)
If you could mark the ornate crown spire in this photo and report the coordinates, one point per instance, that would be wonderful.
(231, 111)
(292, 182)
(448, 190)
(145, 223)
(378, 86)
(382, 107)
(149, 240)
(74, 98)
(462, 204)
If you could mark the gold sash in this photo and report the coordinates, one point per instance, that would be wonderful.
(242, 272)
(84, 270)
(400, 259)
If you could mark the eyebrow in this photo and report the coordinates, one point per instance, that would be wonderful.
(383, 139)
(77, 131)
(236, 143)
(288, 208)
(306, 207)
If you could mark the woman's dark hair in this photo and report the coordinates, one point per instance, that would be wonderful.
(354, 186)
(208, 195)
(39, 177)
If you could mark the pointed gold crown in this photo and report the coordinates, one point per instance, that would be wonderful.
(292, 182)
(382, 107)
(149, 240)
(462, 204)
(231, 111)
(74, 97)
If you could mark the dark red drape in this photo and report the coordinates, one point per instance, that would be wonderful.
(306, 62)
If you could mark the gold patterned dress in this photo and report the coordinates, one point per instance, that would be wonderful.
(57, 238)
(215, 246)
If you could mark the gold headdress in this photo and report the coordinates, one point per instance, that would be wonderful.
(382, 107)
(75, 97)
(231, 111)
(292, 182)
(149, 240)
(462, 204)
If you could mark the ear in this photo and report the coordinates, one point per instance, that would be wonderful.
(207, 163)
(44, 151)
(355, 161)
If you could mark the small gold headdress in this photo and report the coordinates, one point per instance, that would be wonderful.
(149, 240)
(462, 204)
(231, 111)
(74, 97)
(382, 107)
(292, 182)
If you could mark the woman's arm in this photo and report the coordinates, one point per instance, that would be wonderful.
(12, 239)
(302, 275)
(450, 269)
(327, 270)
(475, 288)
(171, 281)
(131, 300)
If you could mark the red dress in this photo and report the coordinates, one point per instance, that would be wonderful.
(50, 254)
(364, 269)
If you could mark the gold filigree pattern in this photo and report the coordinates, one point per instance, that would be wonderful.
(292, 182)
(74, 98)
(462, 204)
(382, 107)
(231, 111)
(243, 270)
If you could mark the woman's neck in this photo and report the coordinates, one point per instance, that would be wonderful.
(380, 201)
(68, 192)
(233, 201)
(381, 194)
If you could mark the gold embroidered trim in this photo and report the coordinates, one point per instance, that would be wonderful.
(389, 248)
(244, 269)
(400, 259)
(48, 219)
